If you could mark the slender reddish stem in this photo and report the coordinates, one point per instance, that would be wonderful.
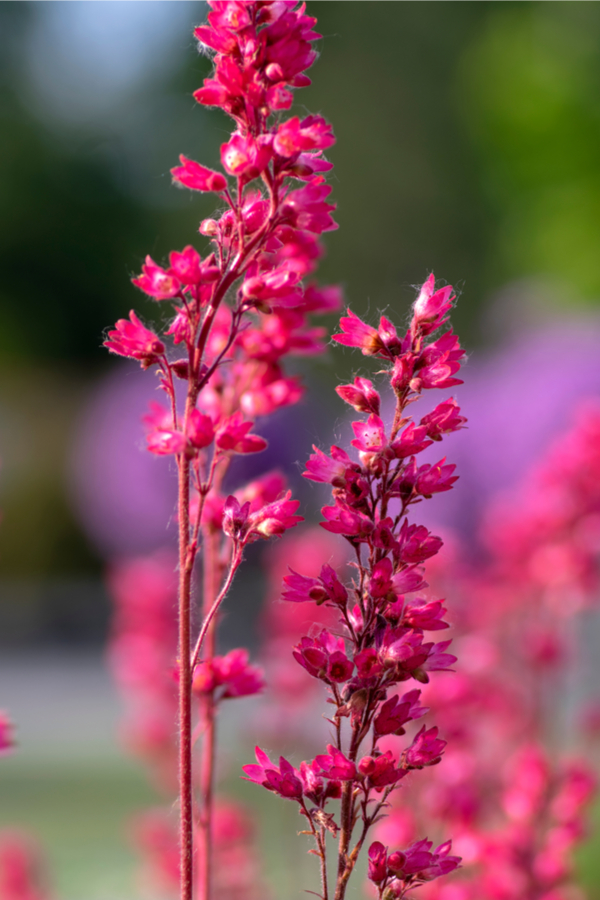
(186, 832)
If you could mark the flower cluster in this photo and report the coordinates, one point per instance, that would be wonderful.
(377, 640)
(396, 873)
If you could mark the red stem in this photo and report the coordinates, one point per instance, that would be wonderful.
(186, 833)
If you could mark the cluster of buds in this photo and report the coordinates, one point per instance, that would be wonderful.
(377, 641)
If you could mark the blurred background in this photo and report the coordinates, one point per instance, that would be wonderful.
(468, 144)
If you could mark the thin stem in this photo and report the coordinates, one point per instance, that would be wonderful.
(186, 835)
(235, 563)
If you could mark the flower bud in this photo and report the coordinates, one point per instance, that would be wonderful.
(209, 227)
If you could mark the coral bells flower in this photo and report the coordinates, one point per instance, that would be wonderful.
(324, 657)
(192, 175)
(284, 780)
(379, 641)
(361, 395)
(157, 282)
(134, 340)
(432, 307)
(271, 520)
(425, 750)
(233, 436)
(231, 673)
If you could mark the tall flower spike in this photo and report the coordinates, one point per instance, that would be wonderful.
(379, 640)
(239, 311)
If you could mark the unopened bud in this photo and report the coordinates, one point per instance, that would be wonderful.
(318, 594)
(366, 766)
(180, 368)
(209, 227)
(274, 72)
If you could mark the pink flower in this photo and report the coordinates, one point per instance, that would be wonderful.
(438, 363)
(274, 518)
(200, 429)
(370, 435)
(232, 436)
(432, 307)
(313, 785)
(425, 615)
(407, 580)
(189, 269)
(327, 587)
(396, 712)
(134, 340)
(412, 440)
(343, 520)
(437, 658)
(192, 175)
(235, 518)
(435, 479)
(231, 672)
(380, 582)
(284, 780)
(7, 743)
(244, 156)
(329, 469)
(357, 333)
(272, 396)
(425, 750)
(361, 395)
(276, 288)
(418, 863)
(417, 544)
(324, 657)
(380, 770)
(166, 442)
(444, 419)
(335, 765)
(377, 862)
(156, 282)
(306, 208)
(293, 136)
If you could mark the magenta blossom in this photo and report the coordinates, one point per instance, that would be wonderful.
(361, 395)
(192, 175)
(425, 750)
(232, 673)
(136, 341)
(284, 780)
(157, 282)
(335, 765)
(396, 712)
